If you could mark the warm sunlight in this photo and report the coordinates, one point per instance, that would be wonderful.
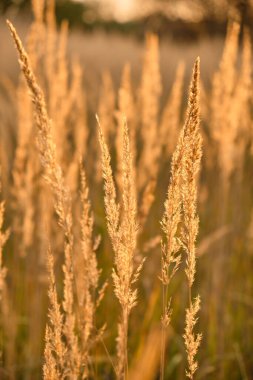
(126, 190)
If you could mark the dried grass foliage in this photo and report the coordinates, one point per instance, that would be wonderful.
(52, 204)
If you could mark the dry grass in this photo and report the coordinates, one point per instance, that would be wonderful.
(64, 227)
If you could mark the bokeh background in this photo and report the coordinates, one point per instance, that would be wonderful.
(186, 29)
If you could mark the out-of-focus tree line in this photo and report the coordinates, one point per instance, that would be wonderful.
(182, 17)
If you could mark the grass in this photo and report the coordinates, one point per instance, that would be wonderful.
(86, 289)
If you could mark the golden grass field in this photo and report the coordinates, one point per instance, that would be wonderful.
(126, 223)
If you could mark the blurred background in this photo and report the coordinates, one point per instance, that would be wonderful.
(185, 28)
(178, 18)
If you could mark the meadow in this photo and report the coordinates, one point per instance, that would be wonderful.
(126, 220)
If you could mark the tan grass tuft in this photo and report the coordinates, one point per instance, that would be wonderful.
(191, 167)
(180, 206)
(55, 348)
(122, 227)
(90, 297)
(62, 205)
